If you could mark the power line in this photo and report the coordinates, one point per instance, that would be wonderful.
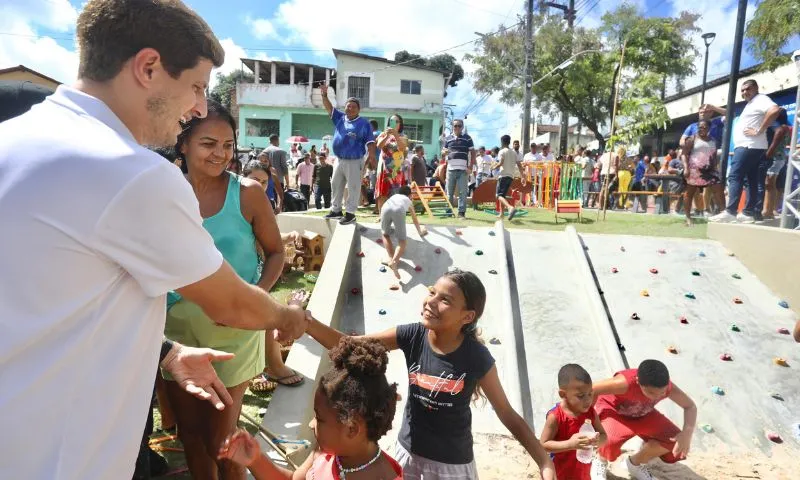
(588, 11)
(481, 9)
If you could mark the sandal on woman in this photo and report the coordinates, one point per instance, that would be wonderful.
(262, 384)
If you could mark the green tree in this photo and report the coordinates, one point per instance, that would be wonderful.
(654, 47)
(443, 61)
(774, 24)
(226, 85)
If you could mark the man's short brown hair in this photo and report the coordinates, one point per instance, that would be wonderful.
(110, 32)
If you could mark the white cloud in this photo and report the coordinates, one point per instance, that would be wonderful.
(233, 55)
(21, 45)
(261, 28)
(57, 15)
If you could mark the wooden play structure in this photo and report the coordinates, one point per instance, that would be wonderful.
(434, 199)
(568, 206)
(309, 258)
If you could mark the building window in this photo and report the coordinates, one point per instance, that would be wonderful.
(312, 126)
(418, 131)
(261, 127)
(411, 87)
(358, 87)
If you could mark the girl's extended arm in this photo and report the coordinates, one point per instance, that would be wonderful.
(329, 337)
(242, 448)
(490, 383)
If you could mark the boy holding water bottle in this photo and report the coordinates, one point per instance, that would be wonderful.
(573, 429)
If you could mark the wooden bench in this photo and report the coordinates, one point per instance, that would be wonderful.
(568, 206)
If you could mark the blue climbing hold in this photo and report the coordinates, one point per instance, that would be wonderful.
(382, 311)
(783, 304)
(690, 296)
(492, 233)
(718, 391)
(701, 254)
(478, 252)
(382, 269)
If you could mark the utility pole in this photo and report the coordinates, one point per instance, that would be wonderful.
(733, 81)
(526, 108)
(569, 15)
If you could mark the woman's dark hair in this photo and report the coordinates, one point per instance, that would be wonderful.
(215, 110)
(701, 122)
(400, 120)
(357, 385)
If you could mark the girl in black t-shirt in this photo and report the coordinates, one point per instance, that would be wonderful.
(447, 367)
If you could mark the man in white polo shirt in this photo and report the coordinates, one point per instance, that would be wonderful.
(750, 148)
(107, 228)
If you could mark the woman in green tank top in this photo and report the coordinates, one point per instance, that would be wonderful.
(239, 218)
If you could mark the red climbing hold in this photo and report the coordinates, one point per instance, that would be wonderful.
(662, 251)
(438, 250)
(355, 291)
(379, 241)
(684, 320)
(653, 271)
(361, 255)
(418, 268)
(726, 357)
(395, 287)
(774, 437)
(737, 301)
(671, 349)
(783, 331)
(614, 270)
(459, 232)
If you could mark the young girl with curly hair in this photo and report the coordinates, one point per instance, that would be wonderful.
(354, 406)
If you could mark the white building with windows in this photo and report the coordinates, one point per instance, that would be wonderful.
(284, 98)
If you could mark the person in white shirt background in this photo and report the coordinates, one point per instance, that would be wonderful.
(484, 166)
(114, 227)
(750, 148)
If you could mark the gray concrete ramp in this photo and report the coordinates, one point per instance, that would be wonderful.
(742, 417)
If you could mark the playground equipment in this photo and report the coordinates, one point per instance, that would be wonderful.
(434, 199)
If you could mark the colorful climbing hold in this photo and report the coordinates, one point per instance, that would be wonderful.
(644, 293)
(492, 233)
(689, 295)
(783, 331)
(621, 249)
(736, 276)
(701, 254)
(707, 428)
(662, 251)
(726, 357)
(684, 320)
(774, 437)
(478, 252)
(777, 396)
(438, 250)
(780, 362)
(382, 312)
(731, 254)
(653, 271)
(695, 273)
(418, 268)
(671, 349)
(355, 291)
(361, 255)
(394, 287)
(735, 328)
(459, 232)
(379, 241)
(382, 269)
(495, 341)
(493, 272)
(614, 270)
(635, 316)
(783, 304)
(737, 300)
(717, 391)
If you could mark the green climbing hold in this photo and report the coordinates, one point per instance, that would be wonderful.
(478, 252)
(735, 328)
(382, 312)
(696, 273)
(492, 233)
(690, 296)
(707, 428)
(736, 276)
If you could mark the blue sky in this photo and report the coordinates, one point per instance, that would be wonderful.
(38, 34)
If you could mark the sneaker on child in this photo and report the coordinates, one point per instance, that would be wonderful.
(333, 214)
(599, 469)
(743, 218)
(638, 472)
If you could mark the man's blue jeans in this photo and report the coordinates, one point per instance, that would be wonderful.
(458, 178)
(744, 166)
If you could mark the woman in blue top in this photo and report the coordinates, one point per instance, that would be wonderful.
(238, 216)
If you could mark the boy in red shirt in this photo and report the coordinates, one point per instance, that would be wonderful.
(561, 436)
(626, 407)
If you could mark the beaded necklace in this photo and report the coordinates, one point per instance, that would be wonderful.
(344, 471)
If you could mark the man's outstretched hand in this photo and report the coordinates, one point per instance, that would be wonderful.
(191, 368)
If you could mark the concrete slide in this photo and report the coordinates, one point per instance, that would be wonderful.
(554, 300)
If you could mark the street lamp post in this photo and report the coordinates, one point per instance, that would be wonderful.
(708, 38)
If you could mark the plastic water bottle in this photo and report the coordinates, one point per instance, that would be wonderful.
(585, 455)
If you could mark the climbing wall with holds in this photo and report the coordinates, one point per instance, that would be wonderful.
(723, 335)
(376, 300)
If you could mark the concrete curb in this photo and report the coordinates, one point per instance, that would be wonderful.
(512, 328)
(291, 409)
(598, 317)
